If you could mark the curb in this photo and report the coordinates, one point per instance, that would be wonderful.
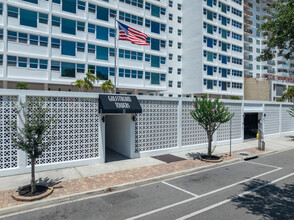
(71, 198)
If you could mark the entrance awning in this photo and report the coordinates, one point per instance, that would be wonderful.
(119, 104)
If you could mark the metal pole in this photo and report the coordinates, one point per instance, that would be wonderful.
(231, 137)
(115, 52)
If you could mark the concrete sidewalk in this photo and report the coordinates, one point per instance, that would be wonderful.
(70, 181)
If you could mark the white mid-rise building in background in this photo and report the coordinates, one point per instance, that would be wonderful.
(196, 46)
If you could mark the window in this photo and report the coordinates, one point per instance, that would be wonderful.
(12, 36)
(1, 59)
(11, 61)
(55, 65)
(257, 50)
(236, 36)
(102, 33)
(237, 48)
(137, 3)
(68, 26)
(68, 70)
(170, 30)
(236, 12)
(155, 79)
(236, 24)
(92, 8)
(43, 64)
(179, 58)
(155, 61)
(155, 27)
(12, 11)
(68, 48)
(170, 43)
(34, 40)
(28, 18)
(179, 7)
(1, 8)
(170, 3)
(170, 17)
(170, 56)
(33, 63)
(1, 34)
(155, 11)
(101, 53)
(80, 26)
(55, 43)
(179, 71)
(69, 6)
(155, 44)
(102, 13)
(179, 32)
(236, 73)
(43, 18)
(209, 84)
(236, 61)
(91, 28)
(130, 18)
(102, 72)
(239, 2)
(55, 21)
(22, 62)
(179, 85)
(81, 6)
(170, 83)
(179, 19)
(179, 45)
(43, 41)
(80, 68)
(170, 70)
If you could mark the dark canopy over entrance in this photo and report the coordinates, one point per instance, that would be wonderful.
(119, 104)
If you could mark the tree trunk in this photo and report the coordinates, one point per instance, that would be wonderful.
(33, 181)
(209, 138)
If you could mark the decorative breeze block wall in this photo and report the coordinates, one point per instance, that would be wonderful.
(223, 132)
(192, 133)
(8, 151)
(77, 129)
(287, 120)
(156, 128)
(272, 119)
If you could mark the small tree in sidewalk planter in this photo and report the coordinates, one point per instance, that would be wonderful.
(210, 114)
(35, 133)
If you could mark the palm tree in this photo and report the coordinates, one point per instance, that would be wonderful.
(107, 85)
(79, 84)
(87, 83)
(289, 94)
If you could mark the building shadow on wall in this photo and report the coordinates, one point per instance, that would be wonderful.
(271, 202)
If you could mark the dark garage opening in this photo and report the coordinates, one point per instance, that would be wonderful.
(250, 125)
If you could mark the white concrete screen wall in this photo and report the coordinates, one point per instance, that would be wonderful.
(164, 126)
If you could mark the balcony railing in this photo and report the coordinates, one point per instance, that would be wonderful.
(248, 49)
(247, 67)
(271, 62)
(248, 58)
(248, 22)
(248, 13)
(247, 31)
(247, 4)
(248, 40)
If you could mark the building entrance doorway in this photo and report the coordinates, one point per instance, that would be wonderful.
(250, 125)
(117, 137)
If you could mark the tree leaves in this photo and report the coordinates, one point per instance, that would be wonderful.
(279, 28)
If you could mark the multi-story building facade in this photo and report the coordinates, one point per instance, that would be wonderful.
(50, 44)
(213, 47)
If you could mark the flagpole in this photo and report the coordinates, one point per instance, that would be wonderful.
(115, 52)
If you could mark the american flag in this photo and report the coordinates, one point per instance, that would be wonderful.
(130, 34)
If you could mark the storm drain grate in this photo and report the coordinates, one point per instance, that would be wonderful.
(168, 158)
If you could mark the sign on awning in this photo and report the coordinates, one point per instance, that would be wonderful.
(119, 104)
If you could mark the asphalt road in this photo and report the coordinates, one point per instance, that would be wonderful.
(262, 188)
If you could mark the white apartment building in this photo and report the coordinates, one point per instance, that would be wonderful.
(213, 47)
(51, 43)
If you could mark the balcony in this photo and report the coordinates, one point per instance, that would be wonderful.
(248, 13)
(248, 40)
(247, 4)
(249, 49)
(248, 22)
(248, 67)
(248, 58)
(247, 31)
(271, 62)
